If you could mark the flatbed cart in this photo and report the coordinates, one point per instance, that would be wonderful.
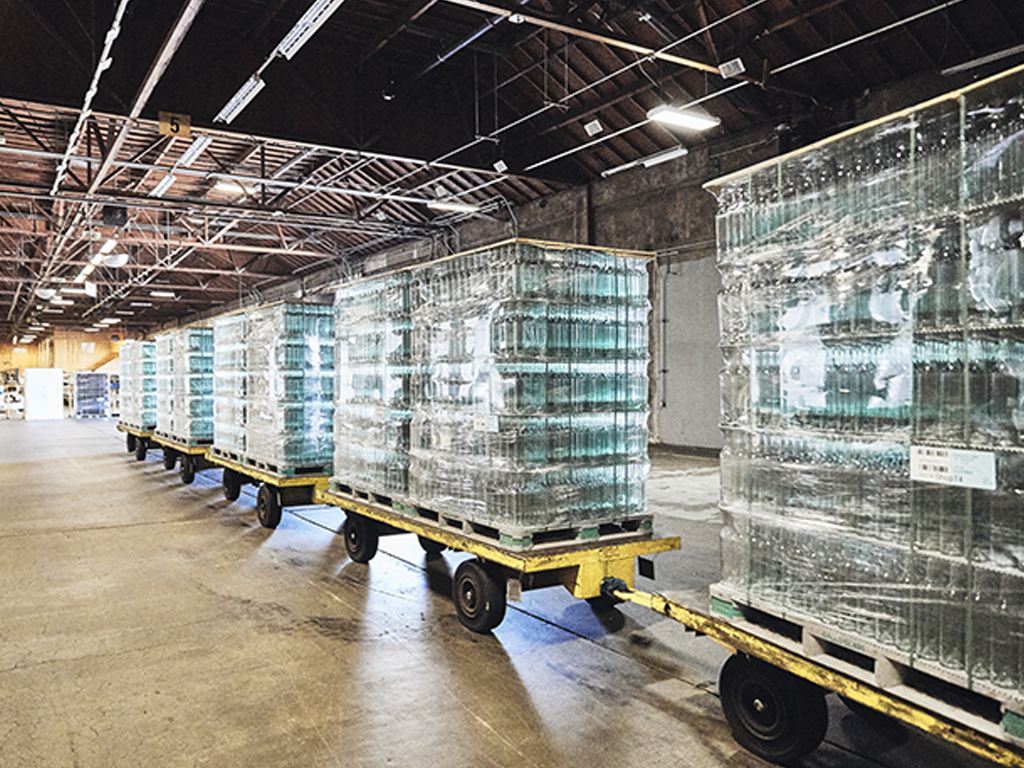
(190, 457)
(481, 587)
(277, 489)
(137, 439)
(773, 689)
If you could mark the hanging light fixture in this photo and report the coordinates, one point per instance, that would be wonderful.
(682, 118)
(306, 27)
(240, 100)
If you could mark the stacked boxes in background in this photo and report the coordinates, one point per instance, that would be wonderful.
(518, 376)
(138, 384)
(274, 386)
(873, 386)
(374, 376)
(90, 393)
(185, 385)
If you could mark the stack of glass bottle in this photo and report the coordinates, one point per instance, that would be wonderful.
(90, 394)
(872, 306)
(184, 360)
(518, 376)
(372, 324)
(274, 386)
(138, 390)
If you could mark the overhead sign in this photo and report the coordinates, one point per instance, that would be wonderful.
(174, 124)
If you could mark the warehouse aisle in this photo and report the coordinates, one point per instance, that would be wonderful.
(148, 623)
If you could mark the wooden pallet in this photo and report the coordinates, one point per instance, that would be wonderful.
(949, 693)
(511, 538)
(269, 467)
(183, 442)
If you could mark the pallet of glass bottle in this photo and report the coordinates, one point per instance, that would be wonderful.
(630, 529)
(130, 426)
(993, 710)
(271, 467)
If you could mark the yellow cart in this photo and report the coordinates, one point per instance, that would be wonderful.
(277, 488)
(190, 457)
(773, 688)
(482, 586)
(137, 438)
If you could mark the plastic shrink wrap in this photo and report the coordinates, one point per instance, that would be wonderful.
(873, 385)
(505, 386)
(138, 384)
(273, 373)
(184, 360)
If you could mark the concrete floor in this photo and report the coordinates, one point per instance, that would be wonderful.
(148, 623)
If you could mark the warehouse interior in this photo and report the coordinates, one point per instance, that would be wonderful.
(165, 164)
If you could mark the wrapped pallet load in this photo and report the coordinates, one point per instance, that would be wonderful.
(137, 382)
(873, 390)
(504, 388)
(184, 360)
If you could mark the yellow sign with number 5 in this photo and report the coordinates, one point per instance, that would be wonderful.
(173, 124)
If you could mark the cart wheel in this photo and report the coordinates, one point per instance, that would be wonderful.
(773, 713)
(231, 484)
(479, 595)
(361, 537)
(187, 468)
(268, 506)
(431, 547)
(140, 448)
(170, 458)
(129, 438)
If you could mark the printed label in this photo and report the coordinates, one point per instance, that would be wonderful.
(952, 466)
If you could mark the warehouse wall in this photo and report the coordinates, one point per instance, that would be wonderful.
(67, 350)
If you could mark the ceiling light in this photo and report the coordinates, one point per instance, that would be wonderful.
(195, 149)
(51, 311)
(77, 291)
(115, 259)
(108, 246)
(240, 100)
(61, 302)
(451, 205)
(307, 26)
(681, 118)
(232, 187)
(500, 166)
(37, 328)
(123, 312)
(27, 339)
(111, 320)
(91, 330)
(662, 157)
(732, 67)
(45, 293)
(516, 18)
(162, 294)
(87, 270)
(140, 304)
(163, 185)
(593, 128)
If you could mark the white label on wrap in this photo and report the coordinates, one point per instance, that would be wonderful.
(952, 466)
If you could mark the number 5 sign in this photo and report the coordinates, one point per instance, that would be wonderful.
(173, 124)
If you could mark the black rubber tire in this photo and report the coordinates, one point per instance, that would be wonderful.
(772, 713)
(170, 458)
(478, 591)
(361, 536)
(129, 440)
(141, 446)
(431, 547)
(187, 468)
(231, 484)
(268, 506)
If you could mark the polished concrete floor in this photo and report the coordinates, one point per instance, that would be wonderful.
(148, 623)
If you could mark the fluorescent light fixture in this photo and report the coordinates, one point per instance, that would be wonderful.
(90, 289)
(140, 304)
(593, 128)
(37, 328)
(500, 166)
(87, 270)
(663, 157)
(307, 26)
(62, 302)
(108, 246)
(27, 339)
(77, 291)
(195, 149)
(240, 100)
(162, 294)
(111, 320)
(451, 205)
(163, 185)
(51, 311)
(732, 67)
(123, 312)
(681, 118)
(91, 330)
